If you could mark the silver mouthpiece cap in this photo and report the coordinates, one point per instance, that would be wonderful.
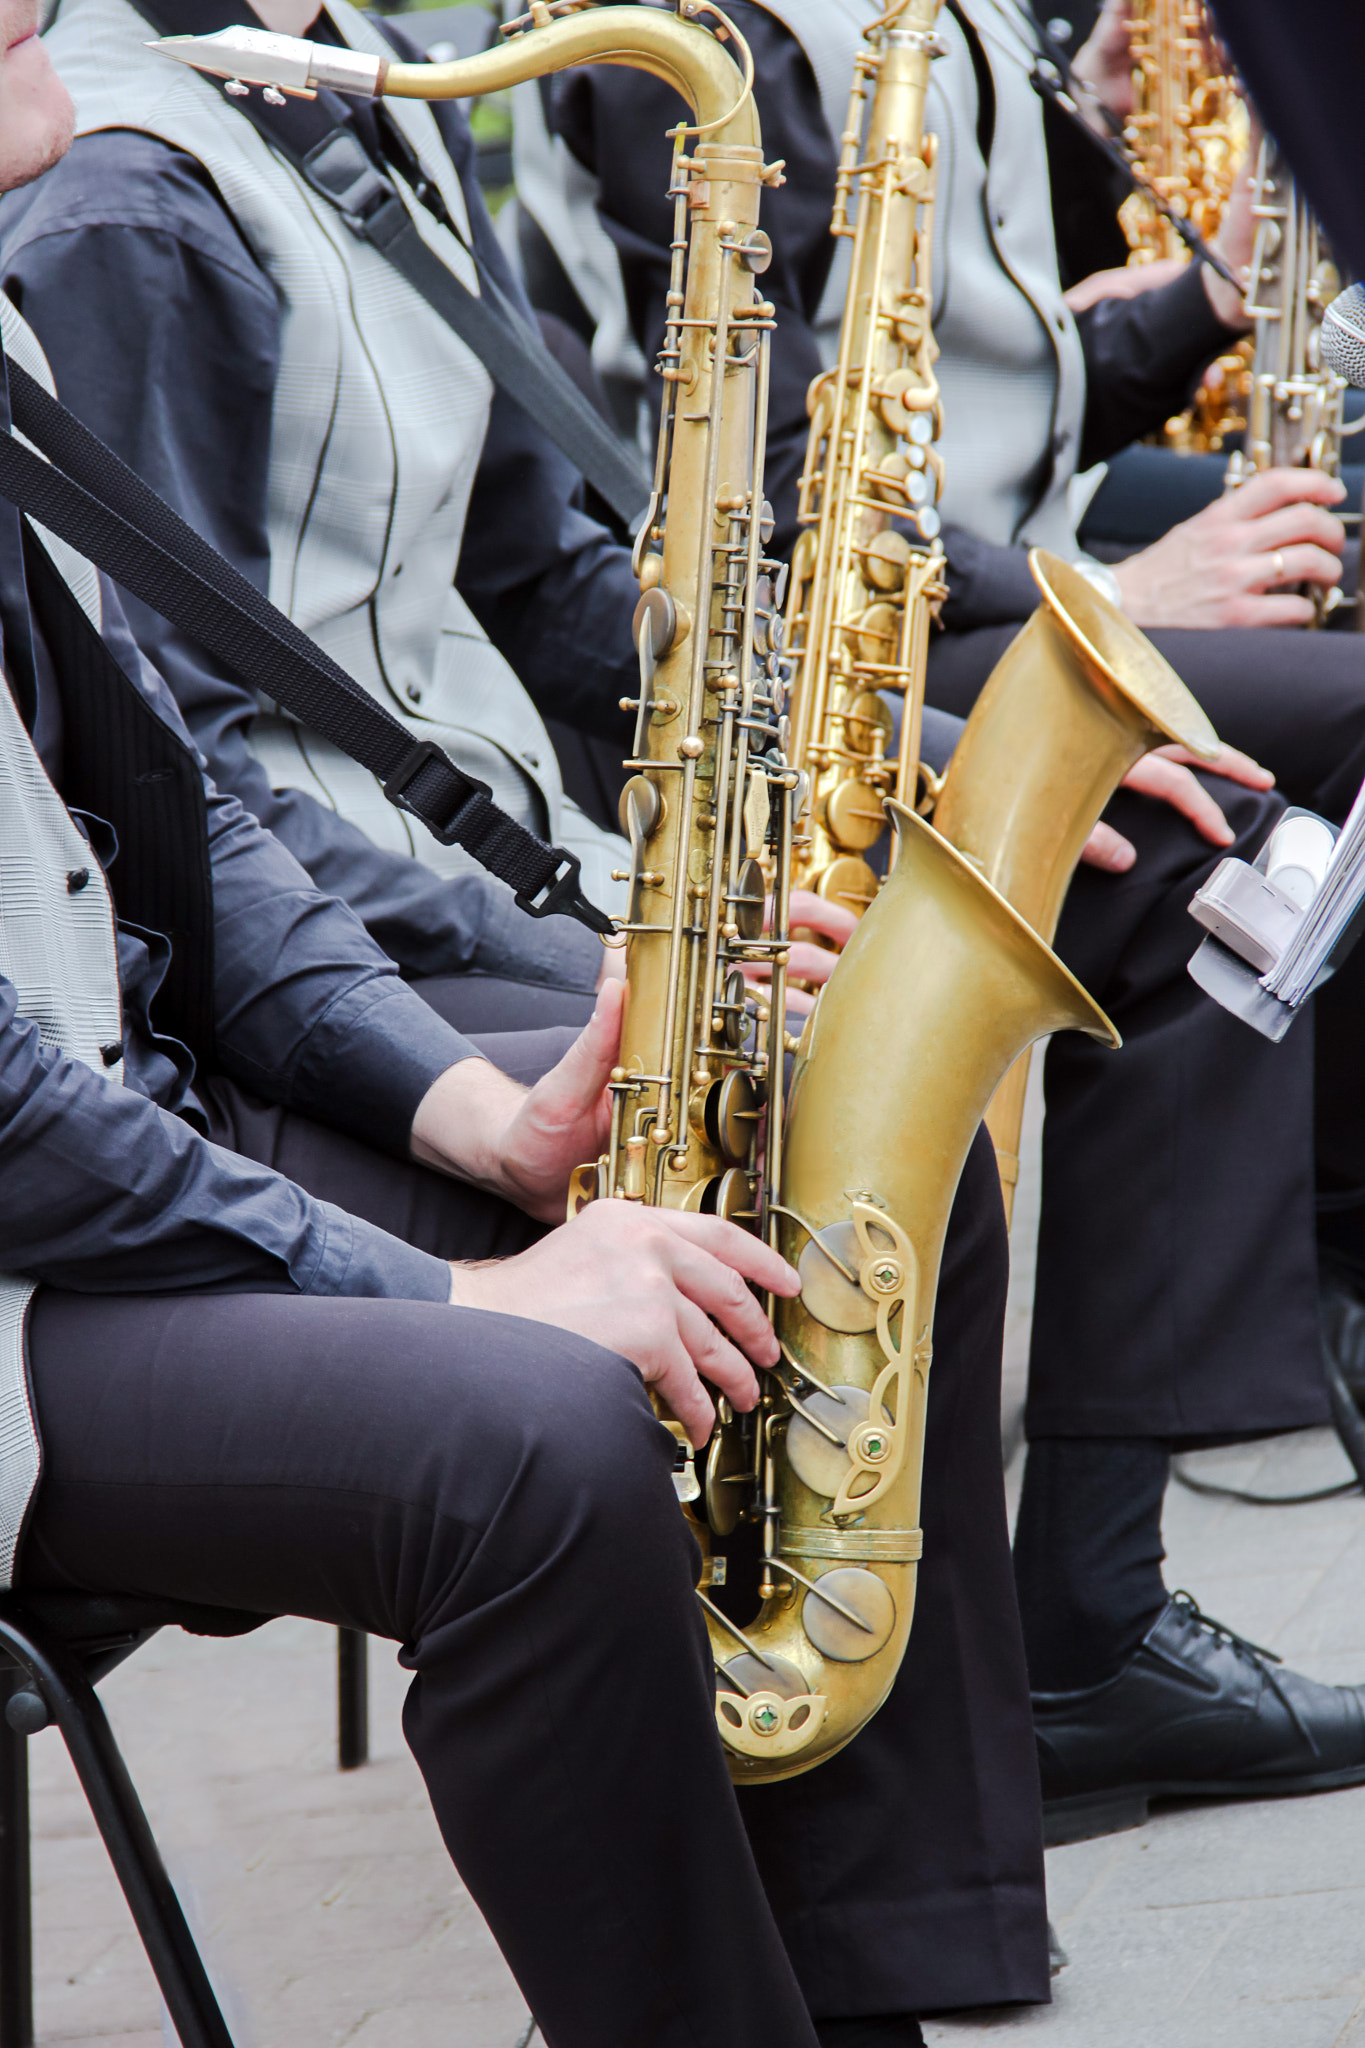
(256, 56)
(1343, 335)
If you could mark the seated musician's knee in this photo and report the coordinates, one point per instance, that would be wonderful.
(554, 1449)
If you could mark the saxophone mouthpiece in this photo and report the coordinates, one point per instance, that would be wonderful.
(281, 64)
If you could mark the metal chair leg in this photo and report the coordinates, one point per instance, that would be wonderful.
(118, 1814)
(16, 1904)
(353, 1700)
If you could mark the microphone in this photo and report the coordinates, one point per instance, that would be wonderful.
(1343, 336)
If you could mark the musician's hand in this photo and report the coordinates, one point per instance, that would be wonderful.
(663, 1287)
(1104, 64)
(1235, 241)
(1219, 568)
(523, 1143)
(807, 962)
(1127, 283)
(1165, 774)
(613, 966)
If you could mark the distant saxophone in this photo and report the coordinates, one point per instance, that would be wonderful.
(1073, 703)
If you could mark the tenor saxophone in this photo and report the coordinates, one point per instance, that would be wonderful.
(1187, 134)
(866, 572)
(941, 988)
(1078, 697)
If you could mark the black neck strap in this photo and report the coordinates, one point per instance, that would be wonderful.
(88, 496)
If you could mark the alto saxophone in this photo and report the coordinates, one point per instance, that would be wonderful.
(867, 569)
(1187, 135)
(1072, 704)
(1295, 412)
(940, 989)
(1188, 127)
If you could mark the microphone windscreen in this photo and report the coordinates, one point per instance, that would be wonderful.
(1343, 336)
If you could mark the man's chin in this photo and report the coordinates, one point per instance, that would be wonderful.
(30, 146)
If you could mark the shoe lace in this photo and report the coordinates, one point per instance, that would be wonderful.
(1255, 1653)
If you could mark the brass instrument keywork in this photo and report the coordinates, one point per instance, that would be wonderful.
(1188, 135)
(1296, 408)
(867, 572)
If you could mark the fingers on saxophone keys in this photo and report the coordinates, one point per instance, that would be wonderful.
(723, 1296)
(715, 1358)
(746, 1254)
(673, 1376)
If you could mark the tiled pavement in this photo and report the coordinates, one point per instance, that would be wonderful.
(330, 1915)
(1241, 1926)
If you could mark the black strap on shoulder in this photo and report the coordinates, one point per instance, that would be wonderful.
(88, 496)
(314, 136)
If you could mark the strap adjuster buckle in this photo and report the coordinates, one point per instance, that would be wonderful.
(424, 754)
(339, 169)
(564, 897)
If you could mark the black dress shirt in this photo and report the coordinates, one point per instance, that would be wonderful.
(113, 1189)
(163, 334)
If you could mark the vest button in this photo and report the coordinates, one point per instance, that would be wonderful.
(112, 1054)
(77, 880)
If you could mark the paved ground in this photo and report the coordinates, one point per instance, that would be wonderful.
(1239, 1927)
(330, 1914)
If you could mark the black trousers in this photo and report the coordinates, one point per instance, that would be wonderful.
(494, 1495)
(1175, 1290)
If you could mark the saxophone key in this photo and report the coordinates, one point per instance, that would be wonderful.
(853, 816)
(885, 560)
(729, 1474)
(818, 1434)
(730, 1111)
(848, 1614)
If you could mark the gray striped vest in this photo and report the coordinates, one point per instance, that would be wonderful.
(379, 419)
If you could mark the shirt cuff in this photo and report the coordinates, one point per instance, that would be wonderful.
(372, 1057)
(359, 1259)
(1182, 325)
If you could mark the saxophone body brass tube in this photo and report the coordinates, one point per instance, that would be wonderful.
(866, 571)
(1075, 700)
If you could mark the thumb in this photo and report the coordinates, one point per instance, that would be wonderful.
(575, 1085)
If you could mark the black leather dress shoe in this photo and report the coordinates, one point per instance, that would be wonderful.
(1196, 1713)
(881, 2030)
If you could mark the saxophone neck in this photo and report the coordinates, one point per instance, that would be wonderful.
(682, 53)
(552, 37)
